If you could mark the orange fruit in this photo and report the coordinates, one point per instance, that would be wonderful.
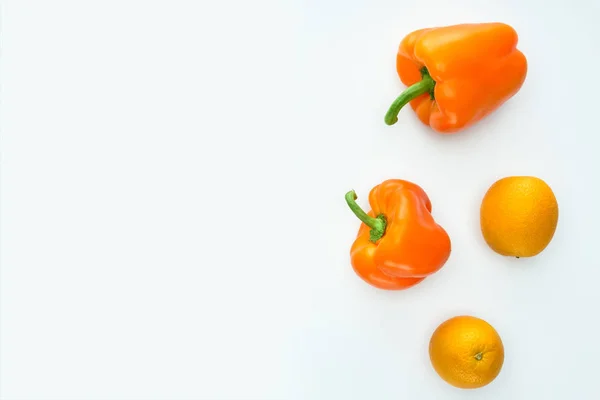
(518, 216)
(466, 352)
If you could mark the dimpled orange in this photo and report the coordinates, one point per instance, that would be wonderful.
(519, 215)
(466, 352)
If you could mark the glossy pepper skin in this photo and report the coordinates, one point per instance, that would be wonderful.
(457, 75)
(398, 243)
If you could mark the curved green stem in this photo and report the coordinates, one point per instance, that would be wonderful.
(377, 225)
(426, 85)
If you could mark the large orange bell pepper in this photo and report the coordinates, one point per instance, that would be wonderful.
(398, 242)
(458, 74)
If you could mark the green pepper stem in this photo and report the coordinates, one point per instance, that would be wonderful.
(377, 225)
(426, 85)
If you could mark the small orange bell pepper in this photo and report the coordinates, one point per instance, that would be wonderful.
(458, 74)
(398, 242)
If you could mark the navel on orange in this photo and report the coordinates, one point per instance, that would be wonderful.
(466, 352)
(518, 216)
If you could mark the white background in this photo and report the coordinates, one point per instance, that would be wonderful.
(173, 223)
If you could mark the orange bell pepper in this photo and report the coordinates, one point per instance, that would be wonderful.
(458, 74)
(398, 242)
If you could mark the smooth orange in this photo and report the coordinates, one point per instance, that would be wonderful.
(466, 352)
(399, 243)
(458, 74)
(518, 216)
